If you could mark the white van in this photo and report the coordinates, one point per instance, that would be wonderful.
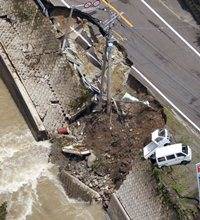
(173, 154)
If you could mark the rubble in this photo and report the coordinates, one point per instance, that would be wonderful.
(76, 149)
(91, 159)
(128, 97)
(116, 143)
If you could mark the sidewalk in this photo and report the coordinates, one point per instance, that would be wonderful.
(139, 195)
(31, 45)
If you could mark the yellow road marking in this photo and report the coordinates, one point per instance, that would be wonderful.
(120, 14)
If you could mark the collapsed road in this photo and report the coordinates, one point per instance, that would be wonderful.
(74, 61)
(167, 59)
(164, 52)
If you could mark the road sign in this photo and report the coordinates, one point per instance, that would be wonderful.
(198, 177)
(87, 4)
(95, 3)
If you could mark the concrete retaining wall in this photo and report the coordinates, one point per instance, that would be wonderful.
(76, 189)
(21, 97)
(115, 209)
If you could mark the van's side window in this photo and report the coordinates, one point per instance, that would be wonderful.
(170, 157)
(160, 159)
(180, 155)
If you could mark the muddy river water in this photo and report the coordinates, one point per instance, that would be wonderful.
(27, 181)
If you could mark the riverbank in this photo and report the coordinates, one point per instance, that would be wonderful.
(29, 185)
(61, 79)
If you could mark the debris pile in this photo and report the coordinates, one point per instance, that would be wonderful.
(62, 69)
(84, 47)
(98, 148)
(114, 141)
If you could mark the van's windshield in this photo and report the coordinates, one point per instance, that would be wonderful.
(185, 149)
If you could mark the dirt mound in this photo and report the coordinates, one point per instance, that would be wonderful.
(116, 141)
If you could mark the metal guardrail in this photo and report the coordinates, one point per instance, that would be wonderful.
(44, 10)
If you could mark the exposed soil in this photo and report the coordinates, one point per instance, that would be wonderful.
(116, 142)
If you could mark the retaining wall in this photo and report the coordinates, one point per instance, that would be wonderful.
(115, 209)
(21, 97)
(76, 189)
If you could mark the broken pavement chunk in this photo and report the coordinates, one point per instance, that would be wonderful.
(93, 58)
(76, 149)
(83, 40)
(128, 97)
(91, 159)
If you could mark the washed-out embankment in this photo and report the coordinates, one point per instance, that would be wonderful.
(11, 79)
(73, 186)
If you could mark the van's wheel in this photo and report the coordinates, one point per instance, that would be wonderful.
(167, 144)
(184, 162)
(153, 160)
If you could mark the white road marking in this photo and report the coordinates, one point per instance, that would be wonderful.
(179, 16)
(78, 34)
(63, 1)
(169, 101)
(171, 28)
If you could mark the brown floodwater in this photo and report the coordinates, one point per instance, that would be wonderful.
(28, 182)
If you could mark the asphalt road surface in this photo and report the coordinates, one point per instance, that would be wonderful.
(165, 62)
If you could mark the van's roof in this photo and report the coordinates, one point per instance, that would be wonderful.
(167, 150)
